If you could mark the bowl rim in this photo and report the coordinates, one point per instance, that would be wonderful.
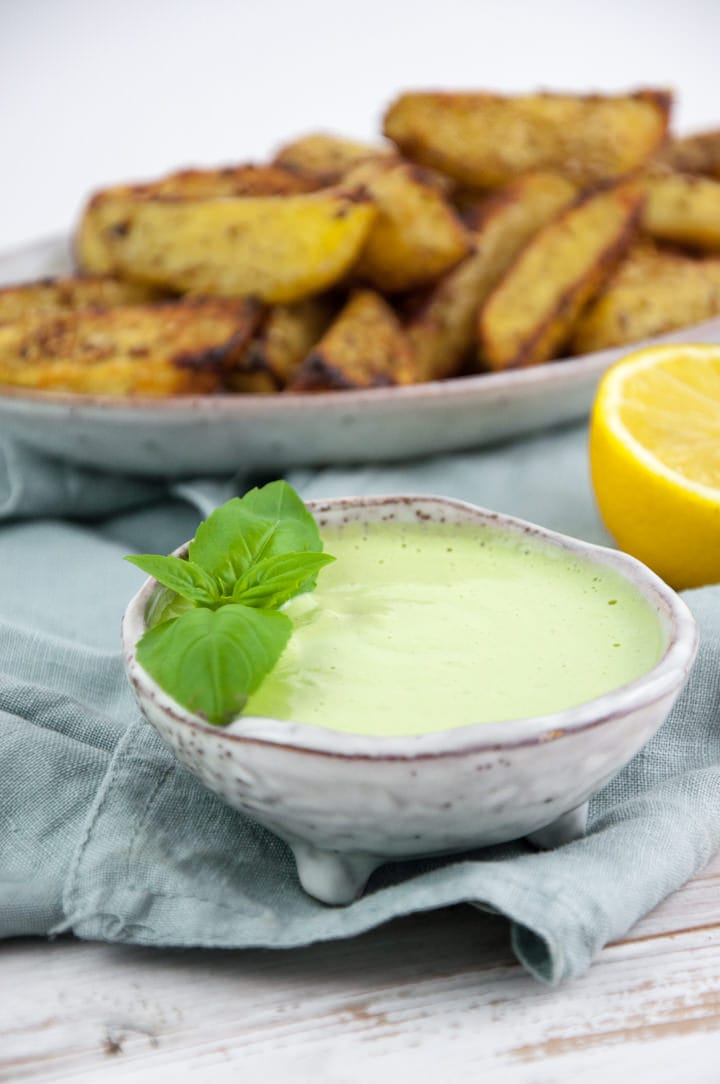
(666, 677)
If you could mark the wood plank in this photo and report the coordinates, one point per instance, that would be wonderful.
(431, 991)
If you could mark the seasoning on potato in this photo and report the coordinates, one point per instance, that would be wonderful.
(683, 208)
(530, 314)
(416, 235)
(364, 347)
(49, 296)
(442, 329)
(285, 337)
(173, 348)
(328, 158)
(699, 153)
(653, 291)
(276, 248)
(485, 139)
(485, 232)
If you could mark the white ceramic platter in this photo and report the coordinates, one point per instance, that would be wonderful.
(206, 434)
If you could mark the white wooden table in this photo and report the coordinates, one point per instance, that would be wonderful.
(431, 995)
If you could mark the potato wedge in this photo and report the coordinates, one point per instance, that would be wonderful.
(47, 296)
(278, 249)
(484, 140)
(416, 235)
(653, 291)
(173, 348)
(683, 208)
(364, 347)
(285, 337)
(91, 244)
(699, 153)
(528, 316)
(442, 330)
(242, 180)
(328, 157)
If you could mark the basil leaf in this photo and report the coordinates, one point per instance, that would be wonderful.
(297, 529)
(185, 578)
(228, 542)
(264, 523)
(273, 581)
(210, 661)
(164, 604)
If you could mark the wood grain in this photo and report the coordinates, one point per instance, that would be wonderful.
(432, 995)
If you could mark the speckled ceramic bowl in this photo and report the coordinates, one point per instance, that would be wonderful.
(346, 803)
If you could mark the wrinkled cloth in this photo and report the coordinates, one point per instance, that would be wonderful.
(103, 834)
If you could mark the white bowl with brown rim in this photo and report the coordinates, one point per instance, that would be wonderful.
(346, 803)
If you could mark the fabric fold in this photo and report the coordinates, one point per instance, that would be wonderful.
(103, 834)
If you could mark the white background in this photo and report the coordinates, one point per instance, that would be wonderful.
(96, 91)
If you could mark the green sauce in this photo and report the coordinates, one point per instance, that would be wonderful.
(423, 627)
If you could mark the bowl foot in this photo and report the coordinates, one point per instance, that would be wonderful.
(565, 829)
(329, 876)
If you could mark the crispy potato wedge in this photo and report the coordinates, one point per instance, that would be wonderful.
(528, 316)
(173, 348)
(484, 140)
(683, 208)
(278, 249)
(242, 180)
(286, 336)
(47, 296)
(653, 290)
(91, 246)
(364, 347)
(699, 153)
(416, 235)
(442, 330)
(328, 157)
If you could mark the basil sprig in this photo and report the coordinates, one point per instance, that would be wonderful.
(215, 629)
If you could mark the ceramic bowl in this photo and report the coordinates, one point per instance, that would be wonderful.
(346, 803)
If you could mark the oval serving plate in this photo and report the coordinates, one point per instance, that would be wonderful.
(209, 434)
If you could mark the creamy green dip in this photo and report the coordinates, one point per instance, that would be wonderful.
(423, 627)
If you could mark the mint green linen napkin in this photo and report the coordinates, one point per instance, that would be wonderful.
(104, 835)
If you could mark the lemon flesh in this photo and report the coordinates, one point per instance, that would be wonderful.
(655, 459)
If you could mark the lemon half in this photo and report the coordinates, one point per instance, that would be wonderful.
(655, 459)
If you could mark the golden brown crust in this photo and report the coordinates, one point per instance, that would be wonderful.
(417, 234)
(326, 157)
(280, 249)
(484, 140)
(57, 295)
(529, 316)
(683, 208)
(654, 290)
(699, 153)
(285, 337)
(442, 328)
(364, 347)
(172, 348)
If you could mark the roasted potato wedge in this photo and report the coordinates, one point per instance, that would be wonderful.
(699, 153)
(484, 140)
(174, 348)
(48, 296)
(327, 157)
(683, 208)
(286, 336)
(528, 316)
(653, 290)
(364, 347)
(278, 249)
(442, 330)
(416, 235)
(91, 243)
